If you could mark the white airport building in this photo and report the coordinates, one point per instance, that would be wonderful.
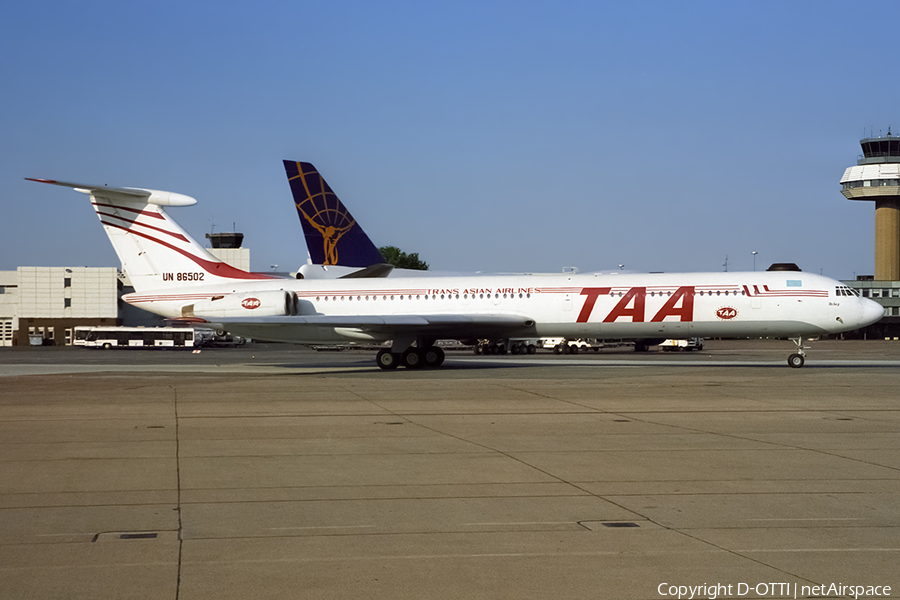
(43, 305)
(51, 301)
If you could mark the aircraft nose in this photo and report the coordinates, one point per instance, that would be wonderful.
(871, 312)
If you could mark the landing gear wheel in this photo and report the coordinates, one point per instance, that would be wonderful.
(434, 357)
(532, 348)
(412, 359)
(386, 360)
(796, 360)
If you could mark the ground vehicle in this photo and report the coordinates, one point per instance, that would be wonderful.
(208, 338)
(682, 345)
(140, 337)
(502, 346)
(573, 346)
(79, 337)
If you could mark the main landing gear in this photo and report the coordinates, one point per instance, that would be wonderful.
(411, 358)
(797, 359)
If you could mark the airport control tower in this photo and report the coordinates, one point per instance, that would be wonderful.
(876, 177)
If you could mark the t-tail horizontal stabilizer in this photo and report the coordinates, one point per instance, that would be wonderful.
(155, 251)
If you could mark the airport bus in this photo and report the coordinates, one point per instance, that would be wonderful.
(139, 337)
(80, 333)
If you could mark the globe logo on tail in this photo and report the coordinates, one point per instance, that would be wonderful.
(333, 236)
(323, 211)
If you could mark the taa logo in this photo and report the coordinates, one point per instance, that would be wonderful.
(250, 303)
(726, 313)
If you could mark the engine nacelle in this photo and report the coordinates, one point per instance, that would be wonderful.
(270, 303)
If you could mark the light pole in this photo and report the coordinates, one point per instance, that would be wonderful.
(754, 253)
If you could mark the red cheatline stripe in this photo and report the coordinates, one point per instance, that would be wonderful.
(159, 229)
(217, 269)
(146, 213)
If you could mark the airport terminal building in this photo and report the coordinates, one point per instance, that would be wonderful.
(43, 305)
(50, 302)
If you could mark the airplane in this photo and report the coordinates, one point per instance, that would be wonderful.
(176, 277)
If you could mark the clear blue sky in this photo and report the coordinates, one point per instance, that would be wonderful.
(493, 136)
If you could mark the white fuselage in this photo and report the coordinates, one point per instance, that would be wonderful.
(677, 305)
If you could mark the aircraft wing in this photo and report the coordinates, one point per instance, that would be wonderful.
(449, 326)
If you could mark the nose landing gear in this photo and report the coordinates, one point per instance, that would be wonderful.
(796, 360)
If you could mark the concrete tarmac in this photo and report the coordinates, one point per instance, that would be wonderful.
(279, 472)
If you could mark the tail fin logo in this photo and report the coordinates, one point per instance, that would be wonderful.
(331, 235)
(327, 224)
(322, 210)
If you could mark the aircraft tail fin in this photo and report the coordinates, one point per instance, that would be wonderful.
(333, 237)
(155, 251)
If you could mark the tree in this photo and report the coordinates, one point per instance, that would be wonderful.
(402, 260)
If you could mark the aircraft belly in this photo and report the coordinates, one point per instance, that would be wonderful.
(678, 329)
(755, 329)
(290, 333)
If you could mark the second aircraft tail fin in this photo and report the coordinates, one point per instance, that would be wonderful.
(333, 237)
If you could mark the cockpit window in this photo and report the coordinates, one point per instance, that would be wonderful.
(843, 290)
